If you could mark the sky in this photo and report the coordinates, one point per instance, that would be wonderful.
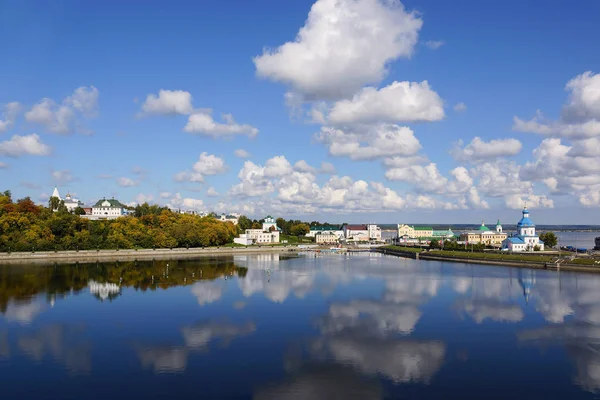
(421, 111)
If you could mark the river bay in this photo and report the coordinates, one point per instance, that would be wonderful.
(270, 326)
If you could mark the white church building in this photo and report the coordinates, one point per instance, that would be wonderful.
(268, 234)
(70, 202)
(525, 239)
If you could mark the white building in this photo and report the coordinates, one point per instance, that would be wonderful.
(525, 239)
(267, 235)
(326, 238)
(317, 230)
(362, 233)
(107, 209)
(70, 202)
(229, 218)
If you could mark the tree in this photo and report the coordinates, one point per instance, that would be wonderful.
(434, 244)
(53, 203)
(244, 223)
(549, 238)
(79, 211)
(300, 229)
(536, 248)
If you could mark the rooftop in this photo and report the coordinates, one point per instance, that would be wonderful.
(113, 203)
(325, 228)
(423, 228)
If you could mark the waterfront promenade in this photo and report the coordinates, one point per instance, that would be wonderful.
(137, 254)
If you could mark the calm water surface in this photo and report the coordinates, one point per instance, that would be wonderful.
(269, 327)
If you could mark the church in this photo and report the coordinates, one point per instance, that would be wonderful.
(525, 238)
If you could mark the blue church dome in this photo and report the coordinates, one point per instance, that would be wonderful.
(525, 221)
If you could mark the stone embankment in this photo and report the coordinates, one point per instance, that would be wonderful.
(431, 256)
(139, 254)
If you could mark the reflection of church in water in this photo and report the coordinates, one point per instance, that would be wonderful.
(103, 291)
(526, 279)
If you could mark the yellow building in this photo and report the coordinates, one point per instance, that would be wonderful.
(414, 231)
(326, 238)
(485, 235)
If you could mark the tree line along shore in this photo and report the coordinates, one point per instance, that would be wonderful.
(27, 227)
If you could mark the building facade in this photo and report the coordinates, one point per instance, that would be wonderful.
(326, 238)
(107, 209)
(525, 238)
(267, 235)
(229, 218)
(485, 235)
(70, 202)
(414, 232)
(315, 230)
(362, 233)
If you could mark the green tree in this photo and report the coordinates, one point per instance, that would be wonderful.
(434, 244)
(549, 238)
(244, 223)
(300, 230)
(53, 203)
(79, 211)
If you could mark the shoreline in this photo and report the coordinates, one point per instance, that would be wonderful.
(503, 263)
(132, 254)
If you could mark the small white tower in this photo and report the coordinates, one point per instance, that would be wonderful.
(55, 193)
(498, 226)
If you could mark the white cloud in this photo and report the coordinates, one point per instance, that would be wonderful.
(85, 100)
(165, 195)
(302, 166)
(142, 198)
(375, 142)
(3, 165)
(186, 203)
(427, 178)
(24, 145)
(400, 162)
(479, 149)
(397, 102)
(434, 44)
(343, 45)
(63, 118)
(241, 153)
(62, 177)
(580, 117)
(10, 113)
(327, 168)
(127, 182)
(207, 164)
(168, 102)
(211, 192)
(460, 107)
(203, 122)
(517, 202)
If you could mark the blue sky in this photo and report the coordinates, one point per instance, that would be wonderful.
(389, 96)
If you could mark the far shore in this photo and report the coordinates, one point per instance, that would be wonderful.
(133, 254)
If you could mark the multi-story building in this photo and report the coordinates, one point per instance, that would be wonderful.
(362, 233)
(107, 209)
(268, 234)
(315, 230)
(525, 238)
(229, 218)
(70, 203)
(485, 235)
(326, 237)
(414, 232)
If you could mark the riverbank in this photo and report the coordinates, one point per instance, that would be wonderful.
(139, 254)
(503, 260)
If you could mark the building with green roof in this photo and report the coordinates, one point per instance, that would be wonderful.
(107, 209)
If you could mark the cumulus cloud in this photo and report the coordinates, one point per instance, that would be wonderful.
(397, 102)
(211, 192)
(126, 182)
(302, 166)
(580, 117)
(460, 107)
(65, 118)
(203, 123)
(207, 165)
(168, 102)
(10, 113)
(327, 168)
(24, 145)
(343, 45)
(479, 149)
(241, 153)
(186, 203)
(369, 143)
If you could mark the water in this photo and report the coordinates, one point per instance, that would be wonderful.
(362, 326)
(577, 239)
